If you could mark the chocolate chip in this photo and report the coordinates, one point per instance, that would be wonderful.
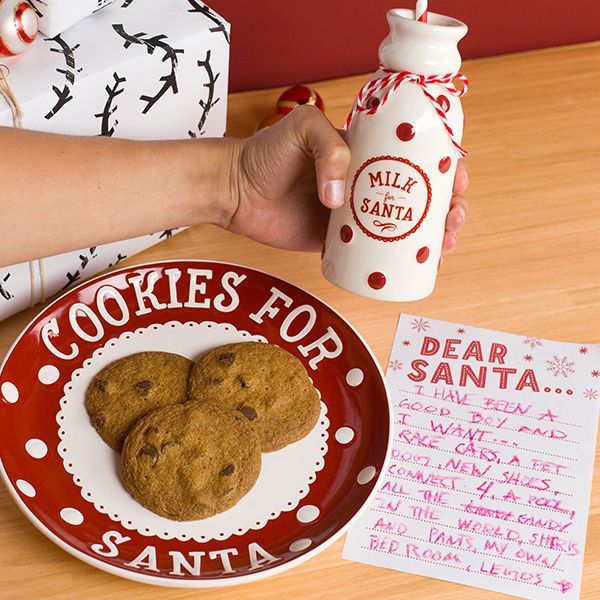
(228, 358)
(150, 430)
(167, 445)
(248, 412)
(143, 387)
(98, 420)
(243, 384)
(227, 491)
(151, 452)
(216, 381)
(101, 384)
(228, 470)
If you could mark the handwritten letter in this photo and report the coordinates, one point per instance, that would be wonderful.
(489, 478)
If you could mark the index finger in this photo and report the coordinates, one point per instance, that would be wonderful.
(461, 180)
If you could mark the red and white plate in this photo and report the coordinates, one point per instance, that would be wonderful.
(66, 479)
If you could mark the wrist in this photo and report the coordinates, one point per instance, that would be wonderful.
(212, 193)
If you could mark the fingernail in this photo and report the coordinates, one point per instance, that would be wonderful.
(334, 192)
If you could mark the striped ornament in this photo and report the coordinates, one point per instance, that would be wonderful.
(392, 80)
(18, 26)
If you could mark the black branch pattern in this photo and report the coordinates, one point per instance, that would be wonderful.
(152, 43)
(119, 258)
(219, 27)
(36, 8)
(126, 3)
(63, 96)
(4, 293)
(112, 91)
(210, 101)
(84, 259)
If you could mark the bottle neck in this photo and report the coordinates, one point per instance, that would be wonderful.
(425, 48)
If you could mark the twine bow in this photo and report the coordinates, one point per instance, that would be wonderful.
(368, 103)
(9, 97)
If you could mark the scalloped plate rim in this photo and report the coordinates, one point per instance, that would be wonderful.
(201, 582)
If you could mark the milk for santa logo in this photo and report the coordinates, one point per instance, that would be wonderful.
(390, 198)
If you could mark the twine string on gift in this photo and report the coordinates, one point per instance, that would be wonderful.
(9, 97)
(368, 103)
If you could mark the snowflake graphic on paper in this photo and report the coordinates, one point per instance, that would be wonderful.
(406, 343)
(590, 394)
(560, 366)
(532, 342)
(395, 365)
(460, 330)
(583, 350)
(595, 373)
(528, 357)
(420, 324)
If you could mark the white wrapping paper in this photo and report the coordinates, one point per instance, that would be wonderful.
(127, 72)
(56, 16)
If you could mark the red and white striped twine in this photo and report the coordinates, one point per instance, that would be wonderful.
(392, 80)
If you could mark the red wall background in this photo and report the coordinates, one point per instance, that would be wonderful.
(279, 42)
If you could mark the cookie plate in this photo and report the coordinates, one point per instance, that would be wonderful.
(66, 480)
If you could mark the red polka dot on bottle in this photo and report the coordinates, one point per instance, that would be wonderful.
(346, 233)
(372, 102)
(405, 132)
(376, 280)
(443, 102)
(445, 164)
(423, 254)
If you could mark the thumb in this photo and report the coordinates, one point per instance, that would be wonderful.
(331, 153)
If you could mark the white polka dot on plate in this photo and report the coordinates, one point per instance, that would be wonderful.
(344, 435)
(36, 448)
(355, 377)
(10, 392)
(25, 488)
(71, 516)
(366, 475)
(48, 374)
(299, 545)
(307, 513)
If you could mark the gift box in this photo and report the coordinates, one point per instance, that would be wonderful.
(55, 16)
(128, 71)
(30, 283)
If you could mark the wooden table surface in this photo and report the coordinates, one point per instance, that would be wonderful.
(528, 262)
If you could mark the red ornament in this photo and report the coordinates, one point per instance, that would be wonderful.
(18, 26)
(297, 96)
(405, 132)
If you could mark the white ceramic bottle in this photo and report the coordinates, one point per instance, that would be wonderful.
(385, 242)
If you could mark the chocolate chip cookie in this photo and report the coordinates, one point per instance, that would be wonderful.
(190, 461)
(130, 387)
(266, 384)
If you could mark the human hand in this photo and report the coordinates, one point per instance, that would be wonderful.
(286, 178)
